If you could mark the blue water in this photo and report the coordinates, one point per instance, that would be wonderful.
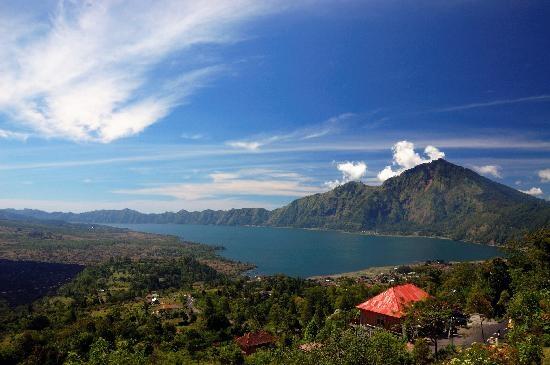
(304, 253)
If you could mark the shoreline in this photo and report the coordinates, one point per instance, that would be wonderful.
(375, 270)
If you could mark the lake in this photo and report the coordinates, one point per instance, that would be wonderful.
(300, 252)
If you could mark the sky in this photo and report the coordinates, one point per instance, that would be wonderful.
(168, 105)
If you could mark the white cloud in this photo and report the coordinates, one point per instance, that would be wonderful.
(5, 134)
(351, 171)
(544, 175)
(387, 173)
(433, 153)
(533, 191)
(89, 72)
(491, 170)
(405, 157)
(253, 182)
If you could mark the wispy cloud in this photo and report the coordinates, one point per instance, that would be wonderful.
(489, 170)
(492, 103)
(5, 134)
(193, 137)
(88, 73)
(251, 182)
(354, 145)
(319, 130)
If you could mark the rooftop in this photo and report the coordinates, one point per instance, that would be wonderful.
(394, 301)
(252, 339)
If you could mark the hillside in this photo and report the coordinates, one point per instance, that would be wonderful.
(433, 199)
(437, 198)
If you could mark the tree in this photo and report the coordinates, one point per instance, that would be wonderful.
(528, 312)
(529, 259)
(215, 319)
(312, 328)
(99, 352)
(421, 353)
(230, 354)
(479, 302)
(495, 277)
(428, 318)
(386, 349)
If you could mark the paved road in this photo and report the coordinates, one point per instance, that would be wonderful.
(471, 334)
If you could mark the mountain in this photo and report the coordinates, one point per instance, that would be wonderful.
(431, 199)
(246, 216)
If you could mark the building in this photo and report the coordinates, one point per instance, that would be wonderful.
(152, 298)
(165, 309)
(252, 341)
(387, 308)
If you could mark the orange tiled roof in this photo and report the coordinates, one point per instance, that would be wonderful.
(251, 339)
(393, 301)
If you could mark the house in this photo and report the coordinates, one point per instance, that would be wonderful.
(152, 298)
(252, 341)
(165, 309)
(387, 308)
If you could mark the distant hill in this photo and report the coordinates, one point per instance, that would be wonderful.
(246, 216)
(432, 199)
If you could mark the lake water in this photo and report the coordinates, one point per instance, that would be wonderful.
(300, 252)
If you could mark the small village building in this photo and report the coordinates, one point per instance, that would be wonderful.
(152, 298)
(252, 341)
(387, 309)
(164, 309)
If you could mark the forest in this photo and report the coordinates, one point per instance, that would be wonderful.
(106, 315)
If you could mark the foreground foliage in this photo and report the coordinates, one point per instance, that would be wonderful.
(103, 317)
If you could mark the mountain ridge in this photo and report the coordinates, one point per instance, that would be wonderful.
(432, 199)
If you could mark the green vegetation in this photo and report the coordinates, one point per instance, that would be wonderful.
(87, 244)
(432, 199)
(106, 315)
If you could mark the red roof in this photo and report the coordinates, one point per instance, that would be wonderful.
(393, 301)
(252, 339)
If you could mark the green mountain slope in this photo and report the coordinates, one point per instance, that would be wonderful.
(437, 198)
(433, 199)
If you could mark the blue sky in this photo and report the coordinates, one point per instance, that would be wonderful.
(171, 105)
